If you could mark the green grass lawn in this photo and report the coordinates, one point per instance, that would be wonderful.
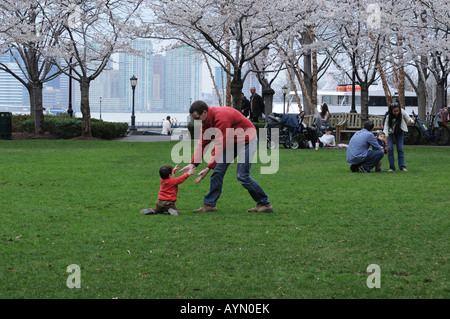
(69, 202)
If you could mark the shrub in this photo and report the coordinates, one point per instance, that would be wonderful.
(108, 130)
(18, 119)
(27, 126)
(63, 127)
(66, 127)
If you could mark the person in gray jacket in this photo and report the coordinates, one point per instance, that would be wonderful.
(359, 155)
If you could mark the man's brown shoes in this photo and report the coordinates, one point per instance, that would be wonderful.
(262, 208)
(206, 208)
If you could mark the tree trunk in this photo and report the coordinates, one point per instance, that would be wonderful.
(421, 97)
(387, 92)
(211, 74)
(306, 97)
(229, 99)
(314, 79)
(310, 104)
(236, 88)
(267, 95)
(85, 109)
(364, 102)
(440, 96)
(290, 71)
(401, 87)
(35, 92)
(307, 70)
(229, 90)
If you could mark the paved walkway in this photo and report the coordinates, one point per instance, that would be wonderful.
(146, 138)
(179, 133)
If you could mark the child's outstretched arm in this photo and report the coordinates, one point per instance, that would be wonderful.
(185, 176)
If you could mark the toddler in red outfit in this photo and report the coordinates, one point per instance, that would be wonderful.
(168, 191)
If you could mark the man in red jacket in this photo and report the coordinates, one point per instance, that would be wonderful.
(234, 136)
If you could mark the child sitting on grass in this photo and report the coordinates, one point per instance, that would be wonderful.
(327, 140)
(168, 191)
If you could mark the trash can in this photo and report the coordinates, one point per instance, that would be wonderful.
(5, 125)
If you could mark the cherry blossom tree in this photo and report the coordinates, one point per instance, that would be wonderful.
(361, 40)
(94, 30)
(27, 31)
(303, 47)
(417, 34)
(228, 31)
(434, 37)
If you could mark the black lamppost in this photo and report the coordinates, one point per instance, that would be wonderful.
(133, 81)
(100, 107)
(445, 92)
(285, 91)
(353, 109)
(70, 110)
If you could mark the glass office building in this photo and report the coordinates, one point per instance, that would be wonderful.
(141, 66)
(182, 78)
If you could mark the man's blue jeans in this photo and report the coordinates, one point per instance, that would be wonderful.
(372, 158)
(244, 164)
(401, 155)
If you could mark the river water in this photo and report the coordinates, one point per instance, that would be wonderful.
(155, 117)
(158, 117)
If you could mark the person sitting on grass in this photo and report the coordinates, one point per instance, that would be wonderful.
(168, 191)
(359, 156)
(328, 139)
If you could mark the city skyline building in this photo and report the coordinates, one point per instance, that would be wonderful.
(55, 93)
(158, 92)
(167, 82)
(13, 94)
(182, 78)
(103, 92)
(140, 66)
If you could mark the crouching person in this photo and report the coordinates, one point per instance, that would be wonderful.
(360, 156)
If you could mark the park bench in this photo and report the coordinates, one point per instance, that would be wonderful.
(347, 123)
(335, 118)
(351, 123)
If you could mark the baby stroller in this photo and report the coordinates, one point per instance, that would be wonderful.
(284, 129)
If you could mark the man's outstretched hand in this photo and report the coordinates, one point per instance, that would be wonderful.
(187, 168)
(202, 175)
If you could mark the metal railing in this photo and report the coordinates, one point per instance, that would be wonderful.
(157, 124)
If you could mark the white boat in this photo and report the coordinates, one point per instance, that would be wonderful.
(339, 99)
